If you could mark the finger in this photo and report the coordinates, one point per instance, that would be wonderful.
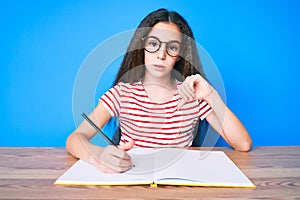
(127, 146)
(186, 93)
(188, 85)
(182, 98)
(107, 169)
(190, 94)
(197, 77)
(182, 94)
(190, 82)
(115, 159)
(117, 166)
(194, 81)
(117, 153)
(104, 166)
(180, 104)
(119, 163)
(185, 88)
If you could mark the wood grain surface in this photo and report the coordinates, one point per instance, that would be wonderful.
(29, 173)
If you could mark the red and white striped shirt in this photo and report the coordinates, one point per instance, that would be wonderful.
(152, 124)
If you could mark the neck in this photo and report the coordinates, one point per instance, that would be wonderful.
(168, 81)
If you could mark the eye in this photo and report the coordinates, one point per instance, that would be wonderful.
(153, 43)
(173, 47)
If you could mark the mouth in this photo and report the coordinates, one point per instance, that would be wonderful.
(159, 67)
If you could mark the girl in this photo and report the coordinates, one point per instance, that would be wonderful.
(159, 94)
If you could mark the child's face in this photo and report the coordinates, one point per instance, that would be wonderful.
(165, 37)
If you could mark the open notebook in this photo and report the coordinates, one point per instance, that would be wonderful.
(166, 166)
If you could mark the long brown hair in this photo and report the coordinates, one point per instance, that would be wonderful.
(187, 65)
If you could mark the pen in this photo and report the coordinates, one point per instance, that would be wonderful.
(97, 128)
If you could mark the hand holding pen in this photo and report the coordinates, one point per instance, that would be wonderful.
(112, 158)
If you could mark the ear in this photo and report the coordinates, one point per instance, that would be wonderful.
(178, 58)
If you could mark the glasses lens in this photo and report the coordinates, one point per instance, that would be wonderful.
(152, 44)
(173, 48)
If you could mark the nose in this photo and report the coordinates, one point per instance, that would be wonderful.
(161, 53)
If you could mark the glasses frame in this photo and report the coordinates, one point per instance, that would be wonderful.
(160, 44)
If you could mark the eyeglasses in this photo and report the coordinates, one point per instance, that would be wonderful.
(153, 44)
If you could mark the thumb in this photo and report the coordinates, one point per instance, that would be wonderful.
(127, 146)
(194, 81)
(180, 104)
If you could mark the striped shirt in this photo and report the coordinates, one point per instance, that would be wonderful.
(152, 124)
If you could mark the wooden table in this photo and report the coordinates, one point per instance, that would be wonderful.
(29, 173)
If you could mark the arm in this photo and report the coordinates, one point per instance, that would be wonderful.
(225, 122)
(108, 159)
(222, 119)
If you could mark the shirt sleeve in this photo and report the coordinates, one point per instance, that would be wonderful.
(204, 109)
(111, 100)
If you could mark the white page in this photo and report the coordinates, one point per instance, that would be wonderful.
(170, 166)
(207, 168)
(84, 173)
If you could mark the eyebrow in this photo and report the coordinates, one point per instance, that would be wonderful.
(164, 41)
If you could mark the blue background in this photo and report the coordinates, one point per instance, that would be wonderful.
(254, 43)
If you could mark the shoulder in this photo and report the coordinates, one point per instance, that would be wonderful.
(129, 85)
(126, 87)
